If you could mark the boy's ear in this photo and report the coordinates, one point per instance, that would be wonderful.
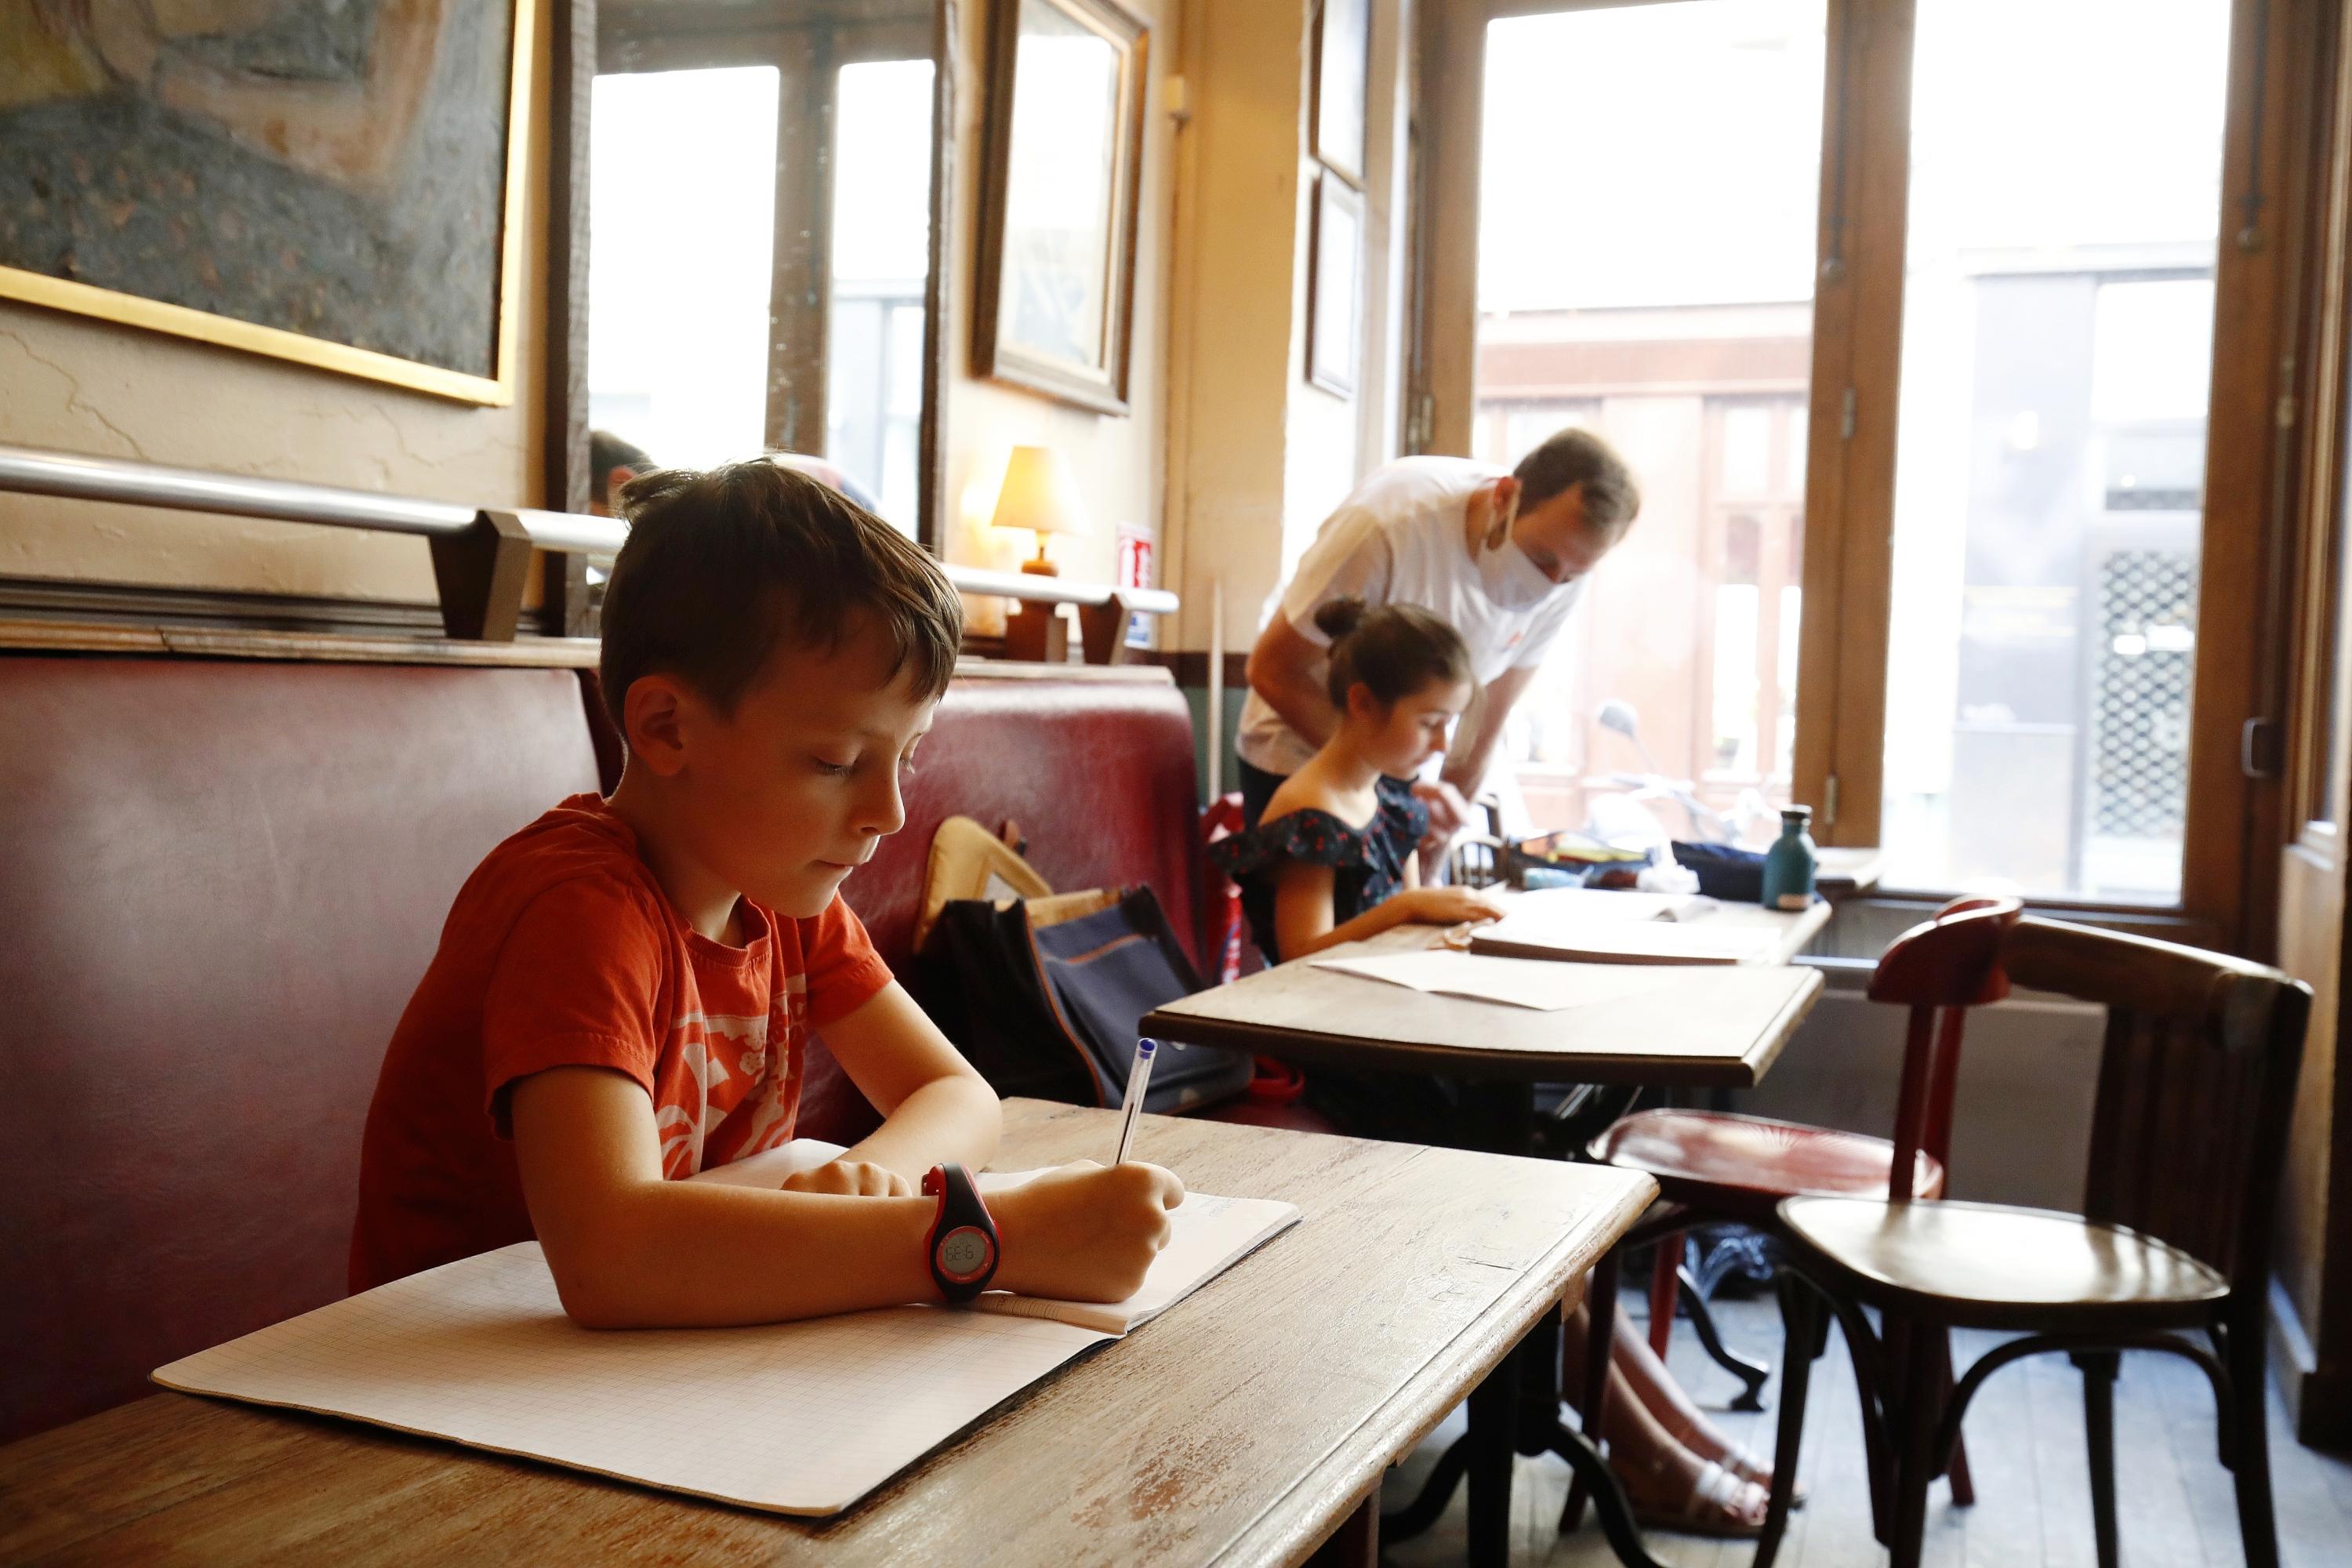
(653, 710)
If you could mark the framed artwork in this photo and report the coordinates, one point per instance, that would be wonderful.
(338, 185)
(1335, 278)
(1055, 278)
(1343, 61)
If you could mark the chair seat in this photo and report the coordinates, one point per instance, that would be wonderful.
(1991, 1266)
(1715, 1160)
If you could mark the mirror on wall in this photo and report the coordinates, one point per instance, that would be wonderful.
(762, 267)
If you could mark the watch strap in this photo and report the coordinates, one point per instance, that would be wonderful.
(961, 1246)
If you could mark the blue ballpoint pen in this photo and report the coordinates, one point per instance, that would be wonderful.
(1136, 1077)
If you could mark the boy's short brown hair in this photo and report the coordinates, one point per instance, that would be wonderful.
(722, 565)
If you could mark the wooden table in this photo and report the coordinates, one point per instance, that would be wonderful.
(1246, 1426)
(1697, 1027)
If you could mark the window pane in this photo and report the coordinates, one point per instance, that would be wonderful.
(677, 314)
(881, 255)
(2057, 331)
(1645, 263)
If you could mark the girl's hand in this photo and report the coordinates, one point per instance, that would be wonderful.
(1446, 906)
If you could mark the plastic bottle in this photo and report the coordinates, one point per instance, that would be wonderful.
(1789, 865)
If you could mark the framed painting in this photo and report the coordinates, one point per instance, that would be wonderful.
(1335, 279)
(339, 186)
(1055, 278)
(1343, 63)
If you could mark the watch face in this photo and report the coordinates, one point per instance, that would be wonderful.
(964, 1253)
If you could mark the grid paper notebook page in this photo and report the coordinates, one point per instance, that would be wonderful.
(801, 1419)
(1209, 1235)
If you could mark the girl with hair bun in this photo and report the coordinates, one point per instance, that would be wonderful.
(1332, 859)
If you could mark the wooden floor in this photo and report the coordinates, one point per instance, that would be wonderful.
(2025, 1442)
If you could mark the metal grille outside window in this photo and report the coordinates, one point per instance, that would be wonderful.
(2146, 654)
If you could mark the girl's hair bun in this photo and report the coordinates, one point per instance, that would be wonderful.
(1338, 618)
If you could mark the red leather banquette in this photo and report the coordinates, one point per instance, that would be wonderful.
(219, 881)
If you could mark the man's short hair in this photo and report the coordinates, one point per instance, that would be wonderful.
(1574, 457)
(606, 452)
(721, 566)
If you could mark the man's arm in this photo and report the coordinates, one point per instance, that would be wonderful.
(629, 1250)
(1467, 768)
(1281, 671)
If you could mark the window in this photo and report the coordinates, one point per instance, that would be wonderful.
(1661, 297)
(2057, 329)
(881, 255)
(677, 318)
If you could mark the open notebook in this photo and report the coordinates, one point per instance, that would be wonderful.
(801, 1418)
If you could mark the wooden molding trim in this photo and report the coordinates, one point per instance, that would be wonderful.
(214, 642)
(60, 636)
(1191, 668)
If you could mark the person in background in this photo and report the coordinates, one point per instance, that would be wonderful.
(1331, 860)
(612, 463)
(1500, 557)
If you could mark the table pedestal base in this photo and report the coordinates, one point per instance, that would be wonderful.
(1517, 1410)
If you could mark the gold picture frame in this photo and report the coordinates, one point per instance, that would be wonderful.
(495, 390)
(1053, 310)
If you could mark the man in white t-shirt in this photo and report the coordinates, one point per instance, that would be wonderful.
(1501, 557)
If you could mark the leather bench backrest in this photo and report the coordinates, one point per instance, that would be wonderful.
(1099, 776)
(219, 882)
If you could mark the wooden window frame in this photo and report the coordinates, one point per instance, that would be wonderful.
(2253, 549)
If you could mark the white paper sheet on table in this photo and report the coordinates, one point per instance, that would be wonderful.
(1512, 982)
(799, 1418)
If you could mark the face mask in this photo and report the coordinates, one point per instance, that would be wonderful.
(1510, 579)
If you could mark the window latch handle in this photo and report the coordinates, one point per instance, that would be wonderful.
(2259, 747)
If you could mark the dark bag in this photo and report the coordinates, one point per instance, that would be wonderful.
(1051, 1012)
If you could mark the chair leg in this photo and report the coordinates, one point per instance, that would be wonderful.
(1752, 1375)
(2248, 1415)
(1665, 1279)
(2099, 1428)
(1964, 1485)
(1916, 1418)
(1600, 1327)
(1800, 1318)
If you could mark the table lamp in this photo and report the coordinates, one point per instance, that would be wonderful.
(1041, 495)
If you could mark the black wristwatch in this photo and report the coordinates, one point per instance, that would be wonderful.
(962, 1244)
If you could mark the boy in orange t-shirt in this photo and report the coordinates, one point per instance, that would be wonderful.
(625, 989)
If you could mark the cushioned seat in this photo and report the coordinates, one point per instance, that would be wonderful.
(1991, 1266)
(1750, 1163)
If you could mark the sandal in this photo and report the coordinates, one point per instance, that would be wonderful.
(1706, 1510)
(1756, 1471)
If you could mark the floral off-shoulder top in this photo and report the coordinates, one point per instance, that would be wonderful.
(1369, 862)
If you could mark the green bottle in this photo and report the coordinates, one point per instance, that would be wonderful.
(1788, 864)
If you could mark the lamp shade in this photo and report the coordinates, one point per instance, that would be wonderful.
(1040, 494)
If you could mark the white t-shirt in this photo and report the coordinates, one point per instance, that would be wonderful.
(1399, 540)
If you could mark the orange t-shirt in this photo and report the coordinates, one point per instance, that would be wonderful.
(563, 951)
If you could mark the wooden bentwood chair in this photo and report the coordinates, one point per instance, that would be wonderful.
(1712, 1166)
(2188, 1133)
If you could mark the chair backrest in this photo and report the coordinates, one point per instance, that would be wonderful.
(2197, 1083)
(1938, 970)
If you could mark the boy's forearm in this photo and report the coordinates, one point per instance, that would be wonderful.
(956, 1118)
(686, 1254)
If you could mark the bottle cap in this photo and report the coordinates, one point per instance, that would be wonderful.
(1796, 814)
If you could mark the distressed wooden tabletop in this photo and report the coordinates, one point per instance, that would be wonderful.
(1684, 1026)
(1242, 1427)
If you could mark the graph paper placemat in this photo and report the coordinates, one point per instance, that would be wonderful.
(801, 1418)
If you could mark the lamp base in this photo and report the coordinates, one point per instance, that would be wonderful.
(1037, 634)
